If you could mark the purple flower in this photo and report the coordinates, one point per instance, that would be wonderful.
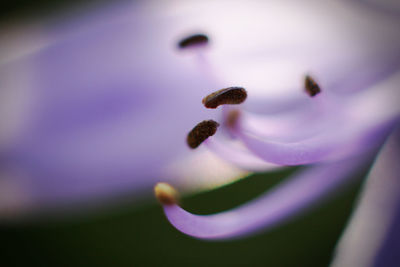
(334, 132)
(97, 108)
(102, 106)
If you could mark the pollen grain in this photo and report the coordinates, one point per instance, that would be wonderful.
(166, 194)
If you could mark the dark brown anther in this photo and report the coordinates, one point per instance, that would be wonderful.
(230, 95)
(193, 40)
(312, 88)
(201, 132)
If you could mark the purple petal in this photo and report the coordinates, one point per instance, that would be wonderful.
(101, 88)
(100, 110)
(368, 239)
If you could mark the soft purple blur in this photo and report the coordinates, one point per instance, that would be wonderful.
(97, 105)
(101, 107)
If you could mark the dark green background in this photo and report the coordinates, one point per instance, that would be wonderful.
(131, 236)
(20, 9)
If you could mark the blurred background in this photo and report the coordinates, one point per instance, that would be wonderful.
(129, 235)
(139, 235)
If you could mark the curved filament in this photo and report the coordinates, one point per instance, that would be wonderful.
(277, 205)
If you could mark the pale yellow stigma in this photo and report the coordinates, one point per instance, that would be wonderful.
(166, 194)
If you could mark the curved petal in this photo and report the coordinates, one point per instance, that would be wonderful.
(365, 121)
(281, 203)
(363, 241)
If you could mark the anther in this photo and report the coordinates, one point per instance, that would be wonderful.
(230, 95)
(166, 194)
(311, 87)
(201, 132)
(232, 118)
(193, 40)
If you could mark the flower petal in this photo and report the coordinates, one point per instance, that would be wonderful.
(365, 235)
(96, 123)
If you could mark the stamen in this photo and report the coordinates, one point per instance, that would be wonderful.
(278, 205)
(232, 118)
(230, 95)
(201, 132)
(166, 194)
(238, 156)
(331, 143)
(311, 87)
(193, 40)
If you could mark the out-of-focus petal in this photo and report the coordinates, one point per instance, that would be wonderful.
(332, 41)
(100, 102)
(103, 87)
(375, 214)
(387, 7)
